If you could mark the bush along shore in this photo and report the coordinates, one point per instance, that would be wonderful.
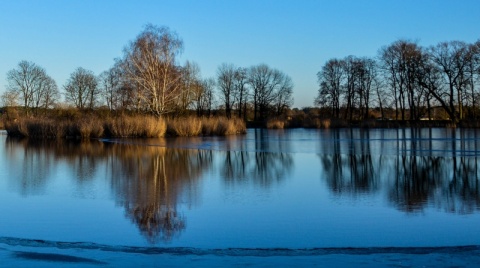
(131, 126)
(327, 123)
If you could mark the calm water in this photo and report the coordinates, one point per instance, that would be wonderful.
(289, 189)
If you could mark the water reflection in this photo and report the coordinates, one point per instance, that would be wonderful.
(33, 166)
(151, 181)
(348, 167)
(413, 177)
(262, 166)
(148, 181)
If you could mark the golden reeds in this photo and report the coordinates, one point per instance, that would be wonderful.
(275, 123)
(122, 126)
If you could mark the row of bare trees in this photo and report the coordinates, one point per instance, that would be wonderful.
(407, 78)
(268, 91)
(149, 79)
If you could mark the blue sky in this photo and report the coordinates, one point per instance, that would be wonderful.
(295, 36)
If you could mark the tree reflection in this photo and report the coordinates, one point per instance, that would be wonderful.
(37, 159)
(34, 166)
(417, 169)
(151, 181)
(270, 161)
(348, 167)
(148, 181)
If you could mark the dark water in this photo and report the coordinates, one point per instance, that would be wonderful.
(268, 193)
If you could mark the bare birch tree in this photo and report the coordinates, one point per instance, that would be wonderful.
(149, 65)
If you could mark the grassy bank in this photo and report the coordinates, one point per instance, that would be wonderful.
(138, 126)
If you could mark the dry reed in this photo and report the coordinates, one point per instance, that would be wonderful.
(275, 123)
(122, 126)
(189, 126)
(135, 126)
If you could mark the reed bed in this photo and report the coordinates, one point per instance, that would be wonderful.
(188, 126)
(275, 123)
(321, 123)
(135, 126)
(122, 126)
(215, 126)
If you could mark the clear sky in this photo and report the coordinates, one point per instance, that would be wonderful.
(294, 36)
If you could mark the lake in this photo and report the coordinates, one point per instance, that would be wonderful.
(349, 197)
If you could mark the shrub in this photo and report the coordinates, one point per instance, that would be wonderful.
(135, 126)
(222, 126)
(225, 127)
(189, 126)
(209, 126)
(240, 126)
(275, 123)
(17, 128)
(154, 127)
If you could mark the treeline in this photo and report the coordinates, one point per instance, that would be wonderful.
(405, 82)
(148, 79)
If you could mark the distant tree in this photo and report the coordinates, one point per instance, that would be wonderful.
(266, 84)
(473, 72)
(283, 99)
(49, 95)
(205, 98)
(400, 63)
(348, 82)
(9, 98)
(366, 74)
(190, 86)
(241, 91)
(226, 77)
(110, 87)
(350, 86)
(117, 91)
(382, 96)
(452, 60)
(81, 89)
(32, 85)
(330, 79)
(149, 67)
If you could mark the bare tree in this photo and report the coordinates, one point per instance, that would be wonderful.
(149, 66)
(117, 91)
(400, 63)
(350, 86)
(49, 95)
(331, 79)
(241, 90)
(9, 98)
(81, 89)
(190, 86)
(267, 85)
(205, 97)
(348, 82)
(32, 85)
(226, 84)
(452, 59)
(283, 99)
(366, 75)
(108, 84)
(473, 71)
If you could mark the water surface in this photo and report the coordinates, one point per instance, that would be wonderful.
(270, 189)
